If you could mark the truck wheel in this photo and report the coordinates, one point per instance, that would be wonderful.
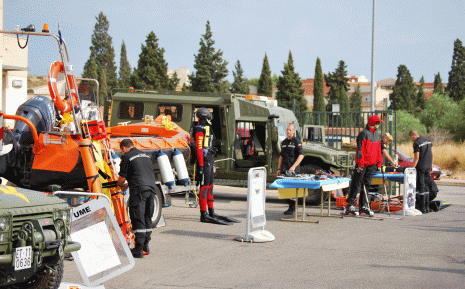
(314, 196)
(158, 204)
(47, 278)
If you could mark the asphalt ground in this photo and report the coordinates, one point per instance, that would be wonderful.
(416, 252)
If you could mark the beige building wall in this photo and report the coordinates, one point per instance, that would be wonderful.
(13, 65)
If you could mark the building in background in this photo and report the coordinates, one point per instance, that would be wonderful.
(14, 66)
(183, 75)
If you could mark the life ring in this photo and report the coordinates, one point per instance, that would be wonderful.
(61, 104)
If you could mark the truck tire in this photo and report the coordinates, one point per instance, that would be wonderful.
(158, 204)
(314, 196)
(46, 278)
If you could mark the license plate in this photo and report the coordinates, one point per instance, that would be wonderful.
(23, 258)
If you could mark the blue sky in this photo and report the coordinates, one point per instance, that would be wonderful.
(418, 34)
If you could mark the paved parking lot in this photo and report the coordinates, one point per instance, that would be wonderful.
(415, 252)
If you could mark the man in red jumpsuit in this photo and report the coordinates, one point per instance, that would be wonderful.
(205, 174)
(368, 159)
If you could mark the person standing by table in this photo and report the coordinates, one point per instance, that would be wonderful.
(385, 141)
(423, 163)
(137, 168)
(367, 158)
(289, 160)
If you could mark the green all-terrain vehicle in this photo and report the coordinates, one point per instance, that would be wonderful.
(248, 131)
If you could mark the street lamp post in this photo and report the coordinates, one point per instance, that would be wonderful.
(373, 92)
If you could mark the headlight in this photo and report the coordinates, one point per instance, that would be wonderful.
(3, 237)
(4, 223)
(61, 214)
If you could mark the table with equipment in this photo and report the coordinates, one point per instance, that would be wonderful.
(301, 186)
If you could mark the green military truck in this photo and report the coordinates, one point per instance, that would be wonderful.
(34, 230)
(248, 130)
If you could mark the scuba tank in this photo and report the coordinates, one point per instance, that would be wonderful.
(165, 170)
(180, 166)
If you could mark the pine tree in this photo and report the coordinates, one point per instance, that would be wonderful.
(318, 88)
(265, 86)
(438, 87)
(420, 99)
(102, 51)
(290, 92)
(174, 81)
(338, 83)
(456, 85)
(152, 69)
(239, 85)
(404, 92)
(103, 86)
(356, 106)
(124, 68)
(211, 69)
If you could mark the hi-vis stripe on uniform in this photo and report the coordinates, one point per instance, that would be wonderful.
(139, 156)
(425, 143)
(142, 230)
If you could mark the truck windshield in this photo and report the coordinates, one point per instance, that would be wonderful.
(282, 126)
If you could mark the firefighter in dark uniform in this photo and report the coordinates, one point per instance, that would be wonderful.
(423, 163)
(205, 154)
(137, 168)
(368, 159)
(289, 160)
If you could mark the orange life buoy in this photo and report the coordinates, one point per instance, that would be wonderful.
(61, 104)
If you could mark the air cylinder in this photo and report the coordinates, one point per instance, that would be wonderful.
(165, 170)
(180, 166)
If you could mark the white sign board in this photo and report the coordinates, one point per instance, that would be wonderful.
(104, 253)
(410, 184)
(256, 207)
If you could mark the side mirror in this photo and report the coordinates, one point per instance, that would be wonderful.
(273, 116)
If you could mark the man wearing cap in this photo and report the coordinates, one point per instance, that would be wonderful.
(367, 158)
(385, 141)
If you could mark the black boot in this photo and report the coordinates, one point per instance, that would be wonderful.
(426, 202)
(212, 214)
(137, 251)
(205, 218)
(420, 203)
(291, 209)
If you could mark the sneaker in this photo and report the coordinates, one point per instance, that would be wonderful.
(350, 210)
(137, 253)
(367, 211)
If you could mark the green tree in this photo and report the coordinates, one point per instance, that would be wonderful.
(103, 92)
(404, 92)
(174, 81)
(339, 85)
(438, 87)
(211, 69)
(124, 68)
(290, 92)
(265, 86)
(92, 70)
(434, 113)
(356, 107)
(456, 85)
(102, 51)
(420, 98)
(406, 122)
(239, 85)
(152, 69)
(458, 129)
(318, 88)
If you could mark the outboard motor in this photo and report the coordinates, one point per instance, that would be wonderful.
(180, 166)
(40, 110)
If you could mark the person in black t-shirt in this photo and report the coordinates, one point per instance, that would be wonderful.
(136, 167)
(423, 163)
(290, 158)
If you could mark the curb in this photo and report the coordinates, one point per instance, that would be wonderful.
(458, 183)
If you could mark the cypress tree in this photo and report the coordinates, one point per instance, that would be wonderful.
(356, 106)
(239, 85)
(102, 51)
(318, 88)
(290, 92)
(265, 86)
(338, 83)
(404, 92)
(124, 68)
(421, 98)
(211, 69)
(456, 85)
(438, 87)
(152, 69)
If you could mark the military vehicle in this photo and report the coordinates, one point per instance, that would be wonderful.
(248, 130)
